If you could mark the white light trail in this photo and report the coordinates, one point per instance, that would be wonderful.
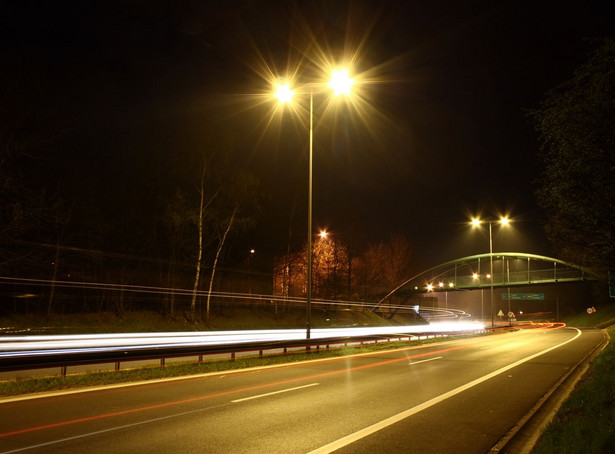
(20, 346)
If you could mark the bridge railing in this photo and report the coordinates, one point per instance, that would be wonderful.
(511, 278)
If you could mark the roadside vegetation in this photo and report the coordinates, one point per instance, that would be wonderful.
(586, 421)
(604, 317)
(224, 318)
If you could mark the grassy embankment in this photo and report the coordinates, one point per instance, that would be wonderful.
(585, 423)
(222, 319)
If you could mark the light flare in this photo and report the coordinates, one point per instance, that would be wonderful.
(307, 66)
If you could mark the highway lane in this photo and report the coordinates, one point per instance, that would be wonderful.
(459, 396)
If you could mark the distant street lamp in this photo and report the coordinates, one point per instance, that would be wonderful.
(341, 85)
(476, 222)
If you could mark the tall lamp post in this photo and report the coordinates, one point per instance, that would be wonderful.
(341, 85)
(476, 222)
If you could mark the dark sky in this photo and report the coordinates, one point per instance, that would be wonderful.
(440, 131)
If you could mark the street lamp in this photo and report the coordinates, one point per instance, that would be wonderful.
(341, 84)
(476, 222)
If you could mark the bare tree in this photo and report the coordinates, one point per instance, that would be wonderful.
(203, 205)
(61, 221)
(222, 240)
(26, 207)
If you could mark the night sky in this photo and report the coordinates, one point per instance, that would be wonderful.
(438, 133)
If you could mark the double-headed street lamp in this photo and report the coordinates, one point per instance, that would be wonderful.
(476, 222)
(341, 85)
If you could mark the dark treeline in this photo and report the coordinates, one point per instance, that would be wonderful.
(122, 165)
(137, 222)
(88, 220)
(105, 180)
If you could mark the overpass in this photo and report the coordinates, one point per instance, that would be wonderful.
(510, 269)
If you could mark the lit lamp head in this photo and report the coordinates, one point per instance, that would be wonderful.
(284, 93)
(476, 222)
(340, 82)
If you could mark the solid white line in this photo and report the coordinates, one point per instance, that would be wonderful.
(344, 441)
(425, 360)
(275, 392)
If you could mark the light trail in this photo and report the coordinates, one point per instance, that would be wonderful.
(22, 346)
(300, 301)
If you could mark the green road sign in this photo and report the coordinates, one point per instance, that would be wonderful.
(524, 296)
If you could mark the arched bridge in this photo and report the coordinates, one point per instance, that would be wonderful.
(510, 269)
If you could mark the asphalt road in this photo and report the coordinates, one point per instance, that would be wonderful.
(460, 396)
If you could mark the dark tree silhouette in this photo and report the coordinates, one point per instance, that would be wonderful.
(576, 123)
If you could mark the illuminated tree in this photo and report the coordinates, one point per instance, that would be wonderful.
(383, 266)
(330, 267)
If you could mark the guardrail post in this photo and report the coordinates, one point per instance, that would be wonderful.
(232, 356)
(63, 371)
(200, 358)
(260, 353)
(117, 366)
(285, 350)
(162, 362)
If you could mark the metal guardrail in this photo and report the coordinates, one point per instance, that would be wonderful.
(63, 360)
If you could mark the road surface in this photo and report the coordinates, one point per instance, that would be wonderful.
(458, 396)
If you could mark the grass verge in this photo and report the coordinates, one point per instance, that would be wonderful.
(29, 385)
(586, 420)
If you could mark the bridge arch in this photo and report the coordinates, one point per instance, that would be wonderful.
(510, 269)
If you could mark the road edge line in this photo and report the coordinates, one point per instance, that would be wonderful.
(369, 430)
(568, 382)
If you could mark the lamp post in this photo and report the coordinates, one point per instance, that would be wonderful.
(341, 84)
(476, 222)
